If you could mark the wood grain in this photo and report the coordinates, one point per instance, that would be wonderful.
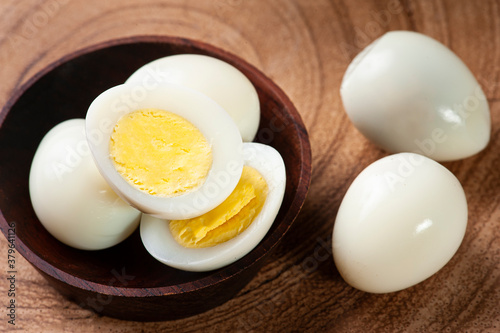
(305, 47)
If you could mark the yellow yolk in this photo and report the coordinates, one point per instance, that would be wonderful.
(160, 152)
(227, 220)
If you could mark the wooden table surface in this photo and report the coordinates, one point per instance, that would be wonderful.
(305, 47)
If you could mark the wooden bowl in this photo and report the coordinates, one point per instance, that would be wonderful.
(125, 281)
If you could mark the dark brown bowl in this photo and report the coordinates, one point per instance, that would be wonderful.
(125, 281)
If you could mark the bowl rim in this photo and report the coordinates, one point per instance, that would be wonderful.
(304, 175)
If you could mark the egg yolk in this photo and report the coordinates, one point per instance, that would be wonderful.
(160, 153)
(227, 220)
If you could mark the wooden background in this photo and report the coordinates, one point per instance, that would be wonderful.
(305, 46)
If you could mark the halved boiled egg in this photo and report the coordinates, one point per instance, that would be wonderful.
(215, 78)
(70, 198)
(167, 150)
(232, 229)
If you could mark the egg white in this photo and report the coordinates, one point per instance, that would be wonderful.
(215, 78)
(407, 92)
(401, 220)
(159, 242)
(206, 115)
(70, 198)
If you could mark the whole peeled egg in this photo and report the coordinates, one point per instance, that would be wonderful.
(70, 197)
(401, 220)
(217, 79)
(407, 92)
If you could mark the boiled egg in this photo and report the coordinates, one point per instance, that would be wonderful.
(70, 197)
(232, 229)
(407, 92)
(401, 220)
(215, 78)
(167, 150)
